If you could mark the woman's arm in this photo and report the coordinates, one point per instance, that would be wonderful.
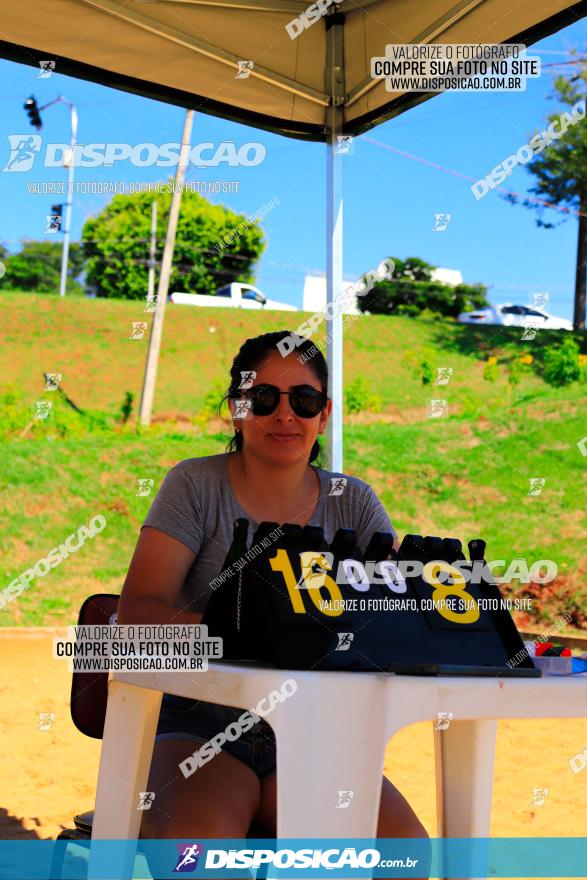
(155, 577)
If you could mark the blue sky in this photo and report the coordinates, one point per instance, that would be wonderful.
(389, 200)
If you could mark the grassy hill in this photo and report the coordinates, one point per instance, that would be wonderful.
(465, 474)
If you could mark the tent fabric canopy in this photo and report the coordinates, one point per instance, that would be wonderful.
(186, 52)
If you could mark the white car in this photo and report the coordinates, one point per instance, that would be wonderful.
(515, 316)
(235, 296)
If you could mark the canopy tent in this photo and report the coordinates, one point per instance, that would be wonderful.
(316, 86)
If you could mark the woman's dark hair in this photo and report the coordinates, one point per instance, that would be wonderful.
(251, 355)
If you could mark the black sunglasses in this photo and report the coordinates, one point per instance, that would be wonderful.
(305, 401)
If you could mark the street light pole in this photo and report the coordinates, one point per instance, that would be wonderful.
(68, 204)
(70, 162)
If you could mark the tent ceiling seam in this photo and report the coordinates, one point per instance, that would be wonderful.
(293, 6)
(438, 27)
(213, 52)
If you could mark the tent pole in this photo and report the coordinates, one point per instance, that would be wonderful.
(334, 213)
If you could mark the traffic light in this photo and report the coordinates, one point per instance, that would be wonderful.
(32, 109)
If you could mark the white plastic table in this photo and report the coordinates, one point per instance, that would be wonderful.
(331, 735)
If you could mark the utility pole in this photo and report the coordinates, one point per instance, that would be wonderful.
(151, 286)
(148, 393)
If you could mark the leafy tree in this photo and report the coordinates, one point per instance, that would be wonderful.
(412, 290)
(37, 267)
(214, 246)
(561, 174)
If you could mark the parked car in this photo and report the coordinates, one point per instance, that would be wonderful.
(235, 296)
(515, 316)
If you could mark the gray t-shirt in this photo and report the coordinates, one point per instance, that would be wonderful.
(196, 504)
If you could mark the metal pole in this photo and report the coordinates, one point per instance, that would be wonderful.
(65, 251)
(148, 393)
(151, 287)
(334, 213)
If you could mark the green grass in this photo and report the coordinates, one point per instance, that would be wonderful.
(465, 475)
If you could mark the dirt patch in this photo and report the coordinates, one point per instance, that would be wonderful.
(539, 413)
(465, 432)
(372, 475)
(52, 774)
(477, 493)
(172, 416)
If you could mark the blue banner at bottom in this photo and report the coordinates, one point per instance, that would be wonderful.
(292, 858)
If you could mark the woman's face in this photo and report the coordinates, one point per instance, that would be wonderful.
(283, 436)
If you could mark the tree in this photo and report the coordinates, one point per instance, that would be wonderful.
(214, 245)
(411, 290)
(37, 267)
(560, 170)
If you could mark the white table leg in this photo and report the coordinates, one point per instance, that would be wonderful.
(333, 741)
(464, 754)
(127, 749)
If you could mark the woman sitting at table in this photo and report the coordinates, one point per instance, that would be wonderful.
(267, 475)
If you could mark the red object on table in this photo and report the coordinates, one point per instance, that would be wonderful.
(542, 647)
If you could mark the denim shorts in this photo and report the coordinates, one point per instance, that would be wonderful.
(182, 718)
